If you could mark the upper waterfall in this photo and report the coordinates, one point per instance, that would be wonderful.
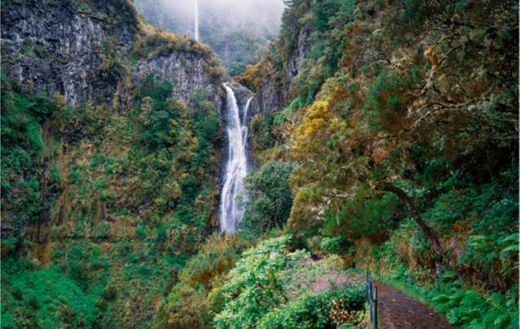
(233, 193)
(196, 20)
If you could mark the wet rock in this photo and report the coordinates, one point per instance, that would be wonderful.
(242, 94)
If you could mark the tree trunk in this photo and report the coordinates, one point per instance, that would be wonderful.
(417, 218)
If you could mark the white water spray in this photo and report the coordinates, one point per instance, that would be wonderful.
(233, 193)
(196, 9)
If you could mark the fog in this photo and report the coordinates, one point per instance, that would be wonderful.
(178, 15)
(238, 30)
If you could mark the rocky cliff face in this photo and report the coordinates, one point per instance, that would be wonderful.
(82, 51)
(62, 47)
(100, 53)
(303, 45)
(274, 93)
(185, 71)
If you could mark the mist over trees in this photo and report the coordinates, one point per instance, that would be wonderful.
(238, 30)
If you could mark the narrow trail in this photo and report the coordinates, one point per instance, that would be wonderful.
(399, 311)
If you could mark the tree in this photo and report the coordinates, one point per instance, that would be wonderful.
(270, 196)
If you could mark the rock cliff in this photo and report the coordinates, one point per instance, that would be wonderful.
(185, 71)
(86, 51)
(63, 46)
(273, 94)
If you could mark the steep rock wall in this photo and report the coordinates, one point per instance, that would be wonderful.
(186, 72)
(92, 52)
(58, 47)
(274, 93)
(84, 52)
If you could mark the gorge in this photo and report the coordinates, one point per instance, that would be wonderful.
(149, 180)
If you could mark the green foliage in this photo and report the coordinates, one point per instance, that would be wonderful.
(87, 122)
(188, 303)
(271, 287)
(159, 43)
(283, 115)
(123, 11)
(262, 131)
(336, 245)
(188, 308)
(482, 257)
(153, 167)
(327, 38)
(43, 298)
(27, 181)
(490, 253)
(330, 14)
(121, 199)
(363, 218)
(238, 49)
(391, 97)
(291, 24)
(309, 310)
(270, 197)
(159, 114)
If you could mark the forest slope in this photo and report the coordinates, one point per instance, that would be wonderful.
(111, 138)
(395, 125)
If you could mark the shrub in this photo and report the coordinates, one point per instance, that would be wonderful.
(271, 287)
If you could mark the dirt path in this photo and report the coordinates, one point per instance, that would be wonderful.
(399, 311)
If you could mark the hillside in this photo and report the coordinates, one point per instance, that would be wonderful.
(110, 150)
(400, 120)
(376, 135)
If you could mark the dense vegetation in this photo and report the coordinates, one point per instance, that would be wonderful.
(103, 204)
(79, 192)
(404, 128)
(396, 151)
(271, 288)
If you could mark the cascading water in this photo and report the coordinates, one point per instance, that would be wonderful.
(196, 19)
(233, 193)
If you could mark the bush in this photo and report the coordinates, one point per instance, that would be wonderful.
(335, 245)
(27, 179)
(316, 311)
(271, 287)
(43, 299)
(187, 305)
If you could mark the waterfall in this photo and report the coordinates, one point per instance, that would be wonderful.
(196, 7)
(233, 193)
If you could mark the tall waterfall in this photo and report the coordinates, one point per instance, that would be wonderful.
(233, 193)
(196, 20)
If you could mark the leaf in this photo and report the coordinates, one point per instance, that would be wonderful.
(477, 34)
(513, 237)
(501, 320)
(505, 252)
